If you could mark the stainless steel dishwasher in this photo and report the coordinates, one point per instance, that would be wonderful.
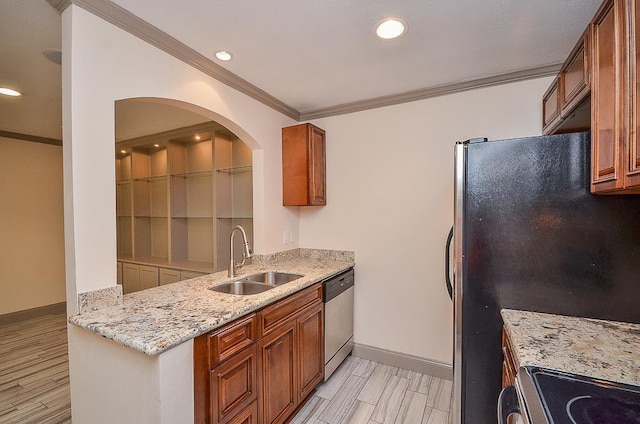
(338, 320)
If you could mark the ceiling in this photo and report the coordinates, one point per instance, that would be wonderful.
(311, 54)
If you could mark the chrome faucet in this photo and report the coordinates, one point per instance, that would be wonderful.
(246, 253)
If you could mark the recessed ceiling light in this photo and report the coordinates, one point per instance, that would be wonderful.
(123, 151)
(197, 137)
(54, 55)
(391, 28)
(156, 145)
(224, 56)
(9, 92)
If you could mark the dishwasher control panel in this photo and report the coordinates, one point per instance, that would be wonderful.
(337, 284)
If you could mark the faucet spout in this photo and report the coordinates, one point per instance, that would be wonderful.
(246, 252)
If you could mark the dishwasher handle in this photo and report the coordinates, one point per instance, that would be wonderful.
(334, 286)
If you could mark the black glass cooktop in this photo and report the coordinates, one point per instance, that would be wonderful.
(573, 399)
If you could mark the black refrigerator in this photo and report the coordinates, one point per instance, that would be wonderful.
(529, 235)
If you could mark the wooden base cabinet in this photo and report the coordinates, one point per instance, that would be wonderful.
(310, 326)
(284, 339)
(278, 389)
(233, 385)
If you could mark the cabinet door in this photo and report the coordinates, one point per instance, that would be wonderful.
(303, 166)
(575, 76)
(509, 369)
(278, 365)
(168, 276)
(632, 159)
(310, 350)
(607, 107)
(119, 272)
(130, 278)
(551, 107)
(317, 167)
(148, 277)
(233, 385)
(186, 275)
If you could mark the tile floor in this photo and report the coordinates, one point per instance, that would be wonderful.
(34, 385)
(366, 392)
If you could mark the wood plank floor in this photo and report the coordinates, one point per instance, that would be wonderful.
(34, 371)
(366, 392)
(34, 385)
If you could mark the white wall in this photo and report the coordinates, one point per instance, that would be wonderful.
(390, 199)
(104, 64)
(32, 236)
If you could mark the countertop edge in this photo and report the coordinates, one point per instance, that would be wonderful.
(102, 327)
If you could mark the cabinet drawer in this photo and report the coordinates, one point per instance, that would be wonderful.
(231, 339)
(272, 316)
(234, 385)
(248, 415)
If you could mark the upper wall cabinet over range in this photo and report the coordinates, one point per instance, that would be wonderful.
(178, 196)
(597, 88)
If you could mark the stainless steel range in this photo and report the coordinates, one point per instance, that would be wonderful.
(549, 396)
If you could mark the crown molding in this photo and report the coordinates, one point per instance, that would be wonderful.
(426, 93)
(29, 137)
(59, 5)
(130, 23)
(125, 20)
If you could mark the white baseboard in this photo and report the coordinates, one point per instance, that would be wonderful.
(403, 360)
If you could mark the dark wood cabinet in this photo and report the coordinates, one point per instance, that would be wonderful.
(303, 166)
(615, 156)
(551, 107)
(260, 368)
(310, 350)
(233, 385)
(565, 104)
(575, 76)
(632, 150)
(607, 108)
(509, 368)
(278, 363)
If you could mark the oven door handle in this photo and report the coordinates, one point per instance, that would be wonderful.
(507, 404)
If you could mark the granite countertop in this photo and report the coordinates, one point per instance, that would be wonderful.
(155, 320)
(607, 350)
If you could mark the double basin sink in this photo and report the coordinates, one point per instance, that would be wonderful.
(256, 283)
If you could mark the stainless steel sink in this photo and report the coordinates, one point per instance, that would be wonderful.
(273, 278)
(256, 283)
(242, 287)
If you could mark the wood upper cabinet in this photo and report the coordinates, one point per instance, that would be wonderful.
(565, 105)
(551, 107)
(632, 149)
(607, 105)
(303, 166)
(575, 76)
(615, 139)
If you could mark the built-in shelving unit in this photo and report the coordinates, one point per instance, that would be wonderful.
(178, 196)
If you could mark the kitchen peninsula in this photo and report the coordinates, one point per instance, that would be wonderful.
(146, 376)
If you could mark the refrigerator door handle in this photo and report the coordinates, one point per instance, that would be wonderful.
(447, 264)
